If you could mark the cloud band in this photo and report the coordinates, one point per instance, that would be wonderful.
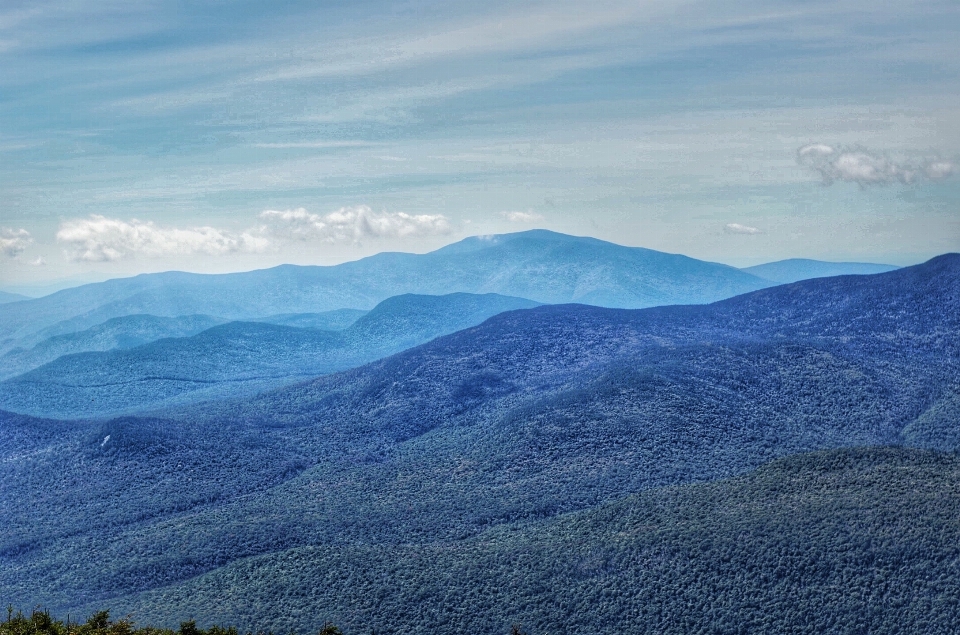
(864, 167)
(351, 224)
(102, 239)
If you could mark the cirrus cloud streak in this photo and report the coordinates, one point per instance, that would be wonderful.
(522, 217)
(737, 228)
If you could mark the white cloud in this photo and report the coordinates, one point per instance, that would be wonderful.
(522, 217)
(102, 239)
(14, 241)
(737, 228)
(864, 167)
(39, 261)
(936, 170)
(351, 224)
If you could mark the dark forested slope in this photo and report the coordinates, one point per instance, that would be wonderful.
(845, 541)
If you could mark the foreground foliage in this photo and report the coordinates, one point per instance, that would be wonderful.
(40, 622)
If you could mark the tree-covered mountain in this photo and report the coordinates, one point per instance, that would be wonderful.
(117, 333)
(539, 265)
(135, 330)
(842, 541)
(510, 425)
(797, 269)
(237, 358)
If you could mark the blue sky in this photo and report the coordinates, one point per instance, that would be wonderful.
(226, 136)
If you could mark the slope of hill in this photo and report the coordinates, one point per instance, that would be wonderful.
(535, 413)
(539, 265)
(6, 297)
(238, 358)
(834, 542)
(335, 320)
(797, 269)
(135, 330)
(117, 333)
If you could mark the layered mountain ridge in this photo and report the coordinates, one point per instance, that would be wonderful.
(343, 497)
(238, 358)
(538, 265)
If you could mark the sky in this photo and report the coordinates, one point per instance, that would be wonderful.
(234, 135)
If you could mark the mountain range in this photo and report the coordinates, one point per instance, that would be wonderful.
(538, 265)
(567, 467)
(233, 359)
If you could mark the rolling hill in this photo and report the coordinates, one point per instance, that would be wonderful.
(540, 265)
(237, 358)
(135, 330)
(117, 333)
(6, 297)
(797, 269)
(449, 461)
(842, 541)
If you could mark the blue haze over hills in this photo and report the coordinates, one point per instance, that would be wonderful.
(797, 269)
(239, 358)
(6, 297)
(135, 330)
(466, 452)
(538, 265)
(116, 333)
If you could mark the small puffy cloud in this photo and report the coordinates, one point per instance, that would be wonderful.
(14, 241)
(864, 167)
(522, 217)
(102, 239)
(351, 224)
(39, 261)
(936, 170)
(737, 228)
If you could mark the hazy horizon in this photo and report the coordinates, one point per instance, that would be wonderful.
(52, 286)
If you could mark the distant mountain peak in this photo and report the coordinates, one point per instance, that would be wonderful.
(540, 265)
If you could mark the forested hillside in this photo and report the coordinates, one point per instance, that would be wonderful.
(239, 358)
(858, 540)
(529, 418)
(117, 333)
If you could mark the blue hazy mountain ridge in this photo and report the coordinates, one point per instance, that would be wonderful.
(6, 297)
(797, 269)
(527, 416)
(117, 333)
(135, 330)
(540, 265)
(335, 320)
(240, 358)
